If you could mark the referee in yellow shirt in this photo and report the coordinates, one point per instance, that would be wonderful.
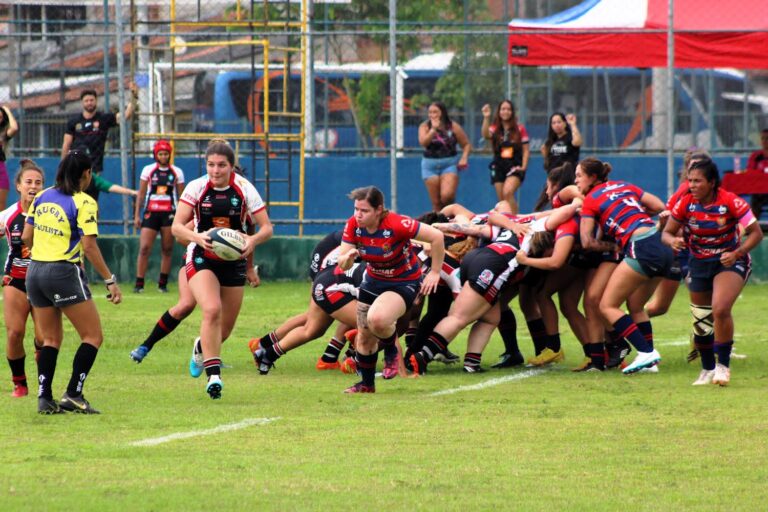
(61, 227)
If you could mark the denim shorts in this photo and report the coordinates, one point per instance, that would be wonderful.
(436, 167)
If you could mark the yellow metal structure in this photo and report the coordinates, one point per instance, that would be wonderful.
(275, 57)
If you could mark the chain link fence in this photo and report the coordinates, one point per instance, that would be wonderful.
(452, 51)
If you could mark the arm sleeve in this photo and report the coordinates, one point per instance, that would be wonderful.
(590, 207)
(100, 183)
(679, 211)
(87, 215)
(524, 138)
(348, 235)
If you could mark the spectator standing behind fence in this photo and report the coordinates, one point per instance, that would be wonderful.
(8, 128)
(88, 130)
(563, 145)
(440, 163)
(758, 161)
(509, 141)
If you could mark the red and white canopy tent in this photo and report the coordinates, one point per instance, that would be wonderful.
(636, 33)
(707, 34)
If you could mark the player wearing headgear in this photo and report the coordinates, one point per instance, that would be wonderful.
(160, 186)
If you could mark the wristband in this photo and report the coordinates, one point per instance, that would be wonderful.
(112, 280)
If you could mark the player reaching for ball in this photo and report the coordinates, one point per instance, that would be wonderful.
(222, 199)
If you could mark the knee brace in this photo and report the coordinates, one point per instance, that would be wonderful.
(703, 323)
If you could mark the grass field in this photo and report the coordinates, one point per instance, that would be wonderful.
(539, 440)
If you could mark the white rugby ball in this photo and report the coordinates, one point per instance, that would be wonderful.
(227, 243)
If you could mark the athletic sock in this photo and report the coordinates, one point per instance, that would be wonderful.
(706, 347)
(272, 353)
(163, 281)
(387, 345)
(84, 359)
(508, 330)
(647, 331)
(538, 334)
(268, 339)
(139, 282)
(333, 350)
(596, 352)
(553, 342)
(628, 329)
(472, 361)
(366, 367)
(586, 350)
(17, 371)
(212, 366)
(163, 328)
(410, 335)
(724, 352)
(46, 368)
(435, 344)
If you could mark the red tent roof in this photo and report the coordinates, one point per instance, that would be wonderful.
(708, 33)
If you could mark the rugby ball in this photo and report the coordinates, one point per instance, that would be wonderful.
(228, 244)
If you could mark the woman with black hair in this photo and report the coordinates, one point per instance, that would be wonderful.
(563, 145)
(622, 211)
(719, 264)
(440, 163)
(62, 227)
(509, 142)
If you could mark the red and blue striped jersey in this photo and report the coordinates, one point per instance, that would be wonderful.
(711, 229)
(616, 207)
(388, 249)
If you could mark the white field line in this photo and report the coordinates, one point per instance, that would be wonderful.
(491, 382)
(674, 343)
(154, 441)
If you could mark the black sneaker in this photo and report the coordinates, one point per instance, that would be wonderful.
(162, 289)
(46, 406)
(76, 404)
(509, 360)
(616, 353)
(591, 367)
(447, 357)
(417, 363)
(474, 369)
(261, 364)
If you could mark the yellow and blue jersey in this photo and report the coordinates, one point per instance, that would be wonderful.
(60, 222)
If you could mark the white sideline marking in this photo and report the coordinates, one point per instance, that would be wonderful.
(153, 441)
(673, 343)
(490, 382)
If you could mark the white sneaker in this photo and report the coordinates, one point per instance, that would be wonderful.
(705, 377)
(642, 360)
(196, 361)
(722, 375)
(650, 369)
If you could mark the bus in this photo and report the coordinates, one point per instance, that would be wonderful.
(614, 106)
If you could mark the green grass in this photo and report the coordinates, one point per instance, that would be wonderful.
(554, 441)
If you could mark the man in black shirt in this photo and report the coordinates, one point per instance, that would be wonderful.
(88, 131)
